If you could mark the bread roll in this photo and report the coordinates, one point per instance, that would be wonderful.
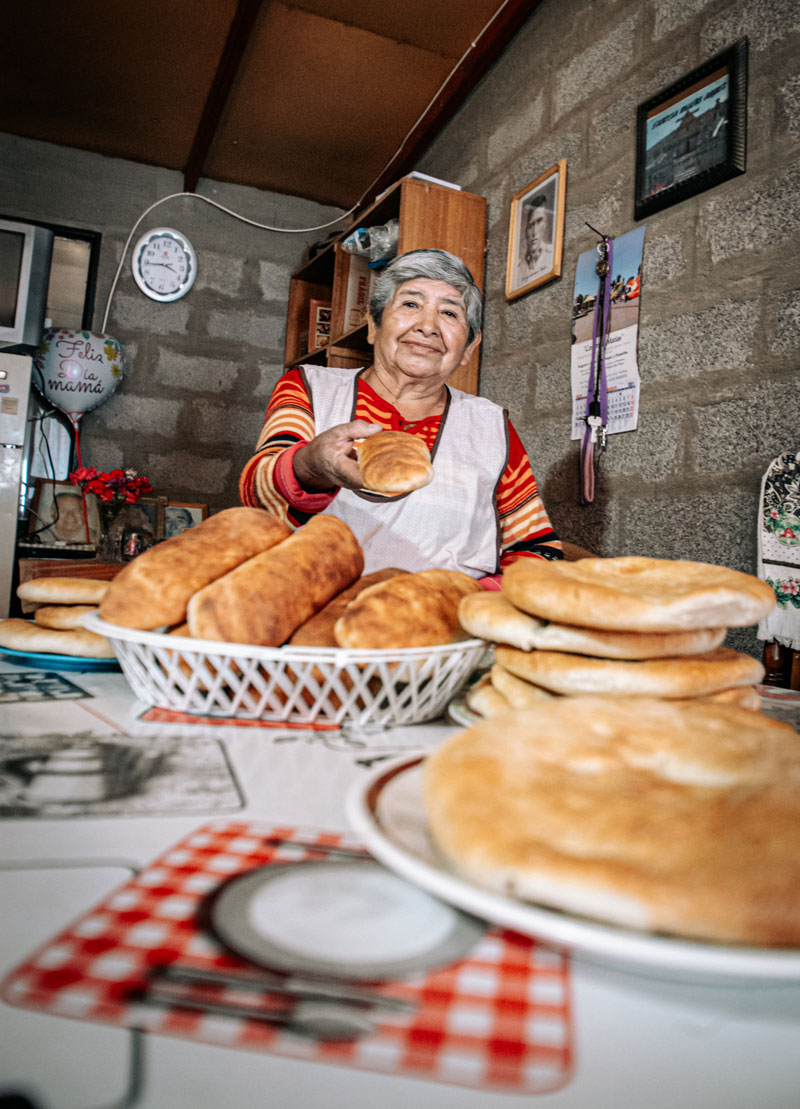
(318, 631)
(410, 610)
(62, 617)
(678, 817)
(154, 589)
(394, 462)
(483, 698)
(266, 598)
(26, 635)
(491, 616)
(637, 594)
(688, 676)
(63, 591)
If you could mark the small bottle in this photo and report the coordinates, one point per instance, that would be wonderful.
(774, 664)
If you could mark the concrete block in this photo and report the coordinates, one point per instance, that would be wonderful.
(747, 432)
(219, 424)
(789, 101)
(268, 374)
(138, 312)
(756, 216)
(539, 157)
(596, 68)
(668, 526)
(553, 389)
(663, 261)
(187, 475)
(258, 328)
(219, 272)
(689, 345)
(764, 22)
(195, 373)
(670, 15)
(651, 452)
(511, 388)
(147, 415)
(520, 127)
(273, 281)
(786, 333)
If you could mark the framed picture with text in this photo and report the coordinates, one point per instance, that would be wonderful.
(693, 134)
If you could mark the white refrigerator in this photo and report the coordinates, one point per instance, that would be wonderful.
(15, 388)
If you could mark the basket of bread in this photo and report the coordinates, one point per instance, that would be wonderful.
(623, 770)
(242, 617)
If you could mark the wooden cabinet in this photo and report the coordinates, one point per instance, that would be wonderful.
(429, 216)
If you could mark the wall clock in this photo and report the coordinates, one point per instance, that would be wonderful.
(164, 264)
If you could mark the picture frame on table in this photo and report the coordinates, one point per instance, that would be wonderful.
(57, 516)
(692, 135)
(146, 515)
(179, 516)
(536, 231)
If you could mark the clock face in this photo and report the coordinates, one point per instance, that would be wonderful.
(164, 264)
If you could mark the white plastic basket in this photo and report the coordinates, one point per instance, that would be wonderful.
(299, 685)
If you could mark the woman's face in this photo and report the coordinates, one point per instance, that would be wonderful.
(423, 333)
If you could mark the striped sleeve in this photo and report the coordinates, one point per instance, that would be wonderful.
(526, 531)
(289, 422)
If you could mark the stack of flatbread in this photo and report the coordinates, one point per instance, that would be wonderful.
(57, 625)
(637, 627)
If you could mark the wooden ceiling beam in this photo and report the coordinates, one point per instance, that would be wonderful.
(230, 62)
(458, 86)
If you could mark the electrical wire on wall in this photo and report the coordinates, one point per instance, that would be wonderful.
(297, 230)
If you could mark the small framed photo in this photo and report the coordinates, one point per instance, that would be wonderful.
(536, 232)
(693, 134)
(179, 516)
(146, 515)
(319, 323)
(57, 514)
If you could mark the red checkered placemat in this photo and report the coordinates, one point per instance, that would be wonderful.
(499, 1018)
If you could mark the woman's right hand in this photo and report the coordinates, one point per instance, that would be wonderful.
(329, 460)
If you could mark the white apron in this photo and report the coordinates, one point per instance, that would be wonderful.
(450, 524)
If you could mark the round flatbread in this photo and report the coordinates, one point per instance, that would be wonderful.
(483, 698)
(519, 693)
(678, 817)
(25, 635)
(637, 594)
(672, 678)
(745, 697)
(63, 591)
(491, 616)
(394, 462)
(62, 617)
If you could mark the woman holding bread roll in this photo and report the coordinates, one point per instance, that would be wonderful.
(426, 476)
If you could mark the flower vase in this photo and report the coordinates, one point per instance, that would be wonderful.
(109, 540)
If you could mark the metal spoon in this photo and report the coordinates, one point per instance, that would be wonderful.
(318, 1020)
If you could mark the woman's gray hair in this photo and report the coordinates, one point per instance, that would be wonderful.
(436, 265)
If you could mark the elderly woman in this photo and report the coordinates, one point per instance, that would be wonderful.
(482, 509)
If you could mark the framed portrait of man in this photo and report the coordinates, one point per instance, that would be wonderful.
(536, 231)
(57, 514)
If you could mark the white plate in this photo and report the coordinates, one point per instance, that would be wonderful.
(349, 919)
(459, 712)
(387, 812)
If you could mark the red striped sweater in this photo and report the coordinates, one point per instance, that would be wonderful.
(268, 479)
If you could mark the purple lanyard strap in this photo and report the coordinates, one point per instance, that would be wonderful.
(596, 387)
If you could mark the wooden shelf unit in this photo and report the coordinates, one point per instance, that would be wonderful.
(429, 216)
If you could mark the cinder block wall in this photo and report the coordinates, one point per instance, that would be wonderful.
(719, 341)
(198, 372)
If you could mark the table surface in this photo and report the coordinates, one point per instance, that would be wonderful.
(639, 1041)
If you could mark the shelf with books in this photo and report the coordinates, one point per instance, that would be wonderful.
(430, 216)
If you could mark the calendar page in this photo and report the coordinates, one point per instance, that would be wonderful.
(622, 371)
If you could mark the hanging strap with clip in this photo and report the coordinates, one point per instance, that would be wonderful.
(594, 437)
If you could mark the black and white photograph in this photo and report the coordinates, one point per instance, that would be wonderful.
(57, 514)
(536, 232)
(179, 517)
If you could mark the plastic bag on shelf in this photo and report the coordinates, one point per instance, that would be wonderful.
(378, 243)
